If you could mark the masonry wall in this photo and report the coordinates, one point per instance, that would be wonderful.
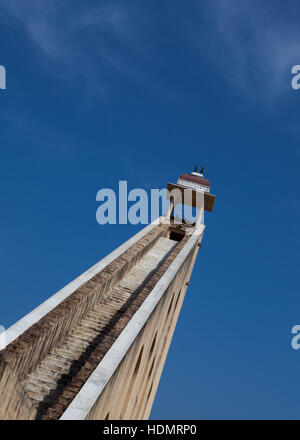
(21, 356)
(130, 392)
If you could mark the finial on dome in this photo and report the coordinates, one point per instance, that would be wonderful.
(202, 170)
(196, 169)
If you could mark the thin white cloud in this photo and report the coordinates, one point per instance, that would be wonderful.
(72, 38)
(34, 16)
(252, 45)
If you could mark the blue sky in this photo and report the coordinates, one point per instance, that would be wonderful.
(101, 91)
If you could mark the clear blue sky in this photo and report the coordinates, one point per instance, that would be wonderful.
(100, 91)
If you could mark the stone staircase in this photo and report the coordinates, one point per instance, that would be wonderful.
(48, 380)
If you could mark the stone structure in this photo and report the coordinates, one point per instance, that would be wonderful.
(96, 349)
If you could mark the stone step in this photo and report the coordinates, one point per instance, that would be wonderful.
(50, 370)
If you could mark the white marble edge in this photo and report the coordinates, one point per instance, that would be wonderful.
(91, 390)
(13, 332)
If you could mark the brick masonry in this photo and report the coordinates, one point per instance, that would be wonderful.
(25, 354)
